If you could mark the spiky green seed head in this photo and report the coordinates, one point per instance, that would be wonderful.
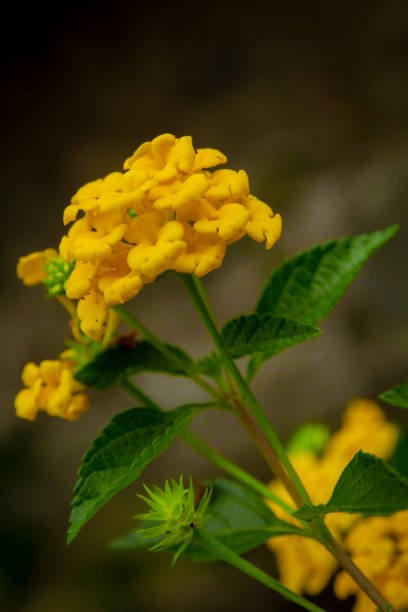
(172, 516)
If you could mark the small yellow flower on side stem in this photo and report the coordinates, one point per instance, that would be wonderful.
(305, 565)
(52, 388)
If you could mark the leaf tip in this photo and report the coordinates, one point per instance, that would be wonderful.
(72, 534)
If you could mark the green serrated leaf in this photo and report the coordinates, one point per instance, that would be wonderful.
(263, 332)
(397, 396)
(118, 456)
(210, 365)
(368, 486)
(306, 287)
(238, 518)
(108, 367)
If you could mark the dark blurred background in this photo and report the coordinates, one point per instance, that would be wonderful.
(311, 99)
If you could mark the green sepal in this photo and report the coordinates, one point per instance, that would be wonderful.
(367, 485)
(119, 455)
(84, 351)
(117, 362)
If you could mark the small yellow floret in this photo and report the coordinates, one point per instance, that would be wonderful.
(93, 314)
(79, 283)
(52, 388)
(202, 255)
(31, 268)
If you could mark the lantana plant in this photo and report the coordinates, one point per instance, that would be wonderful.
(337, 504)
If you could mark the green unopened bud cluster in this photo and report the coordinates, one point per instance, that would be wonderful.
(58, 272)
(173, 516)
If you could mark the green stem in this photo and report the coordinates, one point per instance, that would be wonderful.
(249, 410)
(353, 570)
(254, 572)
(111, 325)
(272, 449)
(136, 392)
(161, 347)
(230, 468)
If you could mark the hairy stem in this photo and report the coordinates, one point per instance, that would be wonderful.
(162, 348)
(112, 324)
(254, 572)
(231, 468)
(351, 568)
(249, 410)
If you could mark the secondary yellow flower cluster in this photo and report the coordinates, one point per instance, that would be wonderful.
(166, 211)
(52, 388)
(379, 546)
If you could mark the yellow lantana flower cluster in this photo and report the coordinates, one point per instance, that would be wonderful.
(305, 566)
(166, 211)
(379, 546)
(52, 388)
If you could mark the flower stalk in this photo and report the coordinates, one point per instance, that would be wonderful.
(137, 325)
(212, 544)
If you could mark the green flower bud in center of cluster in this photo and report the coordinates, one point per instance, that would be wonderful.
(58, 272)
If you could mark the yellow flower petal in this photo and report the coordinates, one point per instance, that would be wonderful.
(229, 225)
(159, 147)
(118, 290)
(208, 158)
(93, 313)
(192, 189)
(202, 255)
(26, 405)
(77, 406)
(152, 260)
(263, 224)
(30, 374)
(79, 282)
(31, 268)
